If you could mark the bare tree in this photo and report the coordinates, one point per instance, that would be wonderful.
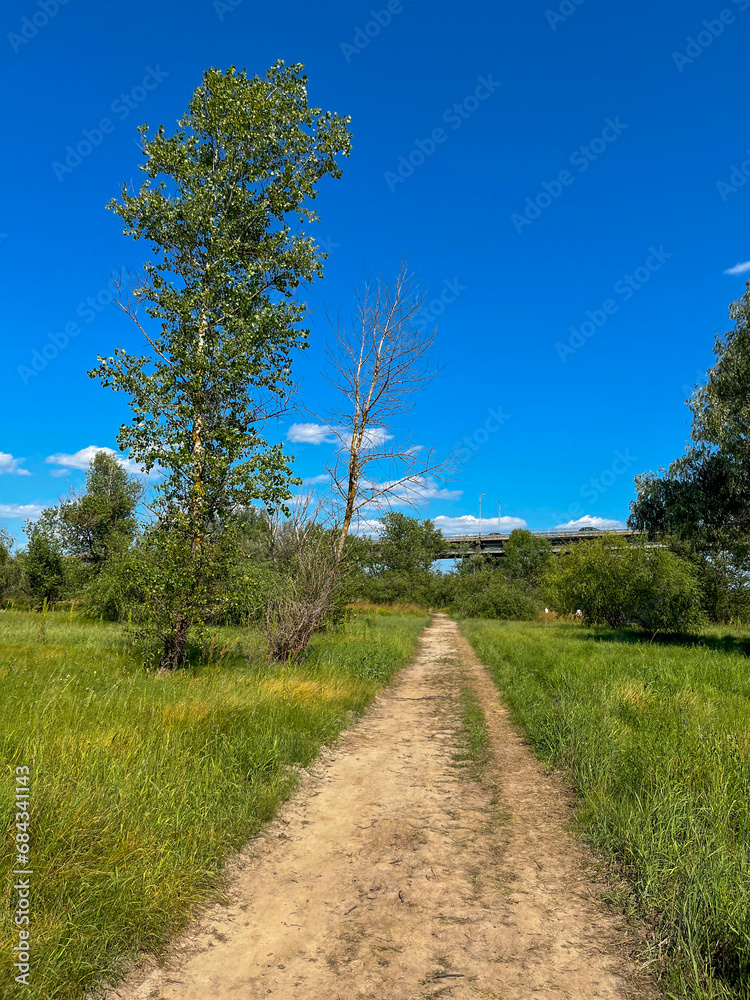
(377, 365)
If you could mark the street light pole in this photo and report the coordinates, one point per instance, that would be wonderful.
(499, 514)
(480, 523)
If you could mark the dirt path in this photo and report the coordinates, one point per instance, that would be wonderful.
(394, 875)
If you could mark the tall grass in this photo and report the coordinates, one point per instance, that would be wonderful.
(142, 785)
(657, 740)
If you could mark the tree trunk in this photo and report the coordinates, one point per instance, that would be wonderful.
(174, 646)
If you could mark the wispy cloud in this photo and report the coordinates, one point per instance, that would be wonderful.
(739, 268)
(15, 510)
(408, 494)
(367, 528)
(11, 466)
(312, 434)
(589, 521)
(317, 480)
(82, 460)
(374, 437)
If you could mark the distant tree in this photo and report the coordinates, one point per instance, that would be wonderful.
(406, 545)
(224, 219)
(8, 567)
(526, 558)
(481, 590)
(43, 566)
(100, 521)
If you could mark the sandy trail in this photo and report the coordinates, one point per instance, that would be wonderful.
(393, 875)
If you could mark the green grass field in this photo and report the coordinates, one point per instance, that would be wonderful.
(141, 785)
(656, 738)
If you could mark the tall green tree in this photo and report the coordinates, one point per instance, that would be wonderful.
(527, 557)
(406, 544)
(223, 206)
(700, 504)
(721, 407)
(101, 521)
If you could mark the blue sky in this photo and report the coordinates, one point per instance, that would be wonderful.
(572, 221)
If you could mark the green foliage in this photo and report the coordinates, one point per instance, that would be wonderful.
(699, 508)
(485, 593)
(144, 785)
(526, 557)
(618, 584)
(424, 589)
(406, 545)
(10, 567)
(43, 567)
(222, 205)
(700, 503)
(101, 521)
(120, 589)
(721, 407)
(655, 739)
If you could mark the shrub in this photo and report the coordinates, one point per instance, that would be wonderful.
(617, 584)
(485, 593)
(44, 570)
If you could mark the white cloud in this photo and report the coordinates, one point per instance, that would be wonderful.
(367, 527)
(14, 510)
(739, 268)
(589, 521)
(11, 466)
(374, 437)
(312, 434)
(317, 480)
(411, 494)
(82, 460)
(467, 524)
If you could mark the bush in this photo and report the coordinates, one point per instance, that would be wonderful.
(617, 584)
(44, 570)
(422, 588)
(118, 589)
(485, 593)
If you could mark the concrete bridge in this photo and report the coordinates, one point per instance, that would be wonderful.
(462, 546)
